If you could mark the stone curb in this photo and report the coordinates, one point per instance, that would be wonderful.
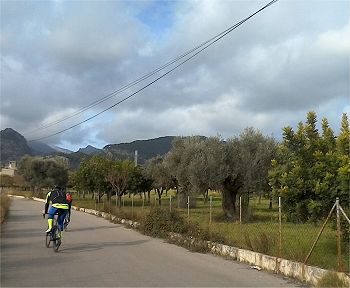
(293, 269)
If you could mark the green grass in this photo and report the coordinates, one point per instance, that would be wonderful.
(259, 232)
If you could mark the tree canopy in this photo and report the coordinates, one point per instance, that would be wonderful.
(311, 169)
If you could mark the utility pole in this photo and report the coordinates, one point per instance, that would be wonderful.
(135, 158)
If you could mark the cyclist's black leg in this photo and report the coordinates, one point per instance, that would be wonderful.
(61, 216)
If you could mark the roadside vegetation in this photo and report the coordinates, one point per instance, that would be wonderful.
(225, 191)
(5, 206)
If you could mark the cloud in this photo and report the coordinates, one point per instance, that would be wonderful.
(62, 56)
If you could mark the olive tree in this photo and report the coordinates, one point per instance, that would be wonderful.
(156, 170)
(118, 175)
(42, 173)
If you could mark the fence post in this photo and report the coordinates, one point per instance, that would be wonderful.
(143, 200)
(188, 209)
(280, 226)
(132, 205)
(210, 203)
(338, 237)
(347, 219)
(240, 209)
(319, 233)
(170, 202)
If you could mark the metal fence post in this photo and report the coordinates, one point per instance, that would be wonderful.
(170, 203)
(280, 226)
(188, 209)
(240, 209)
(338, 237)
(319, 233)
(210, 203)
(132, 205)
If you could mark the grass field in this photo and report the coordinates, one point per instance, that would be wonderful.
(261, 233)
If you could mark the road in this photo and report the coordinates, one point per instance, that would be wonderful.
(97, 253)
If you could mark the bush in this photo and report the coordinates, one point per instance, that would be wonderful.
(159, 222)
(5, 205)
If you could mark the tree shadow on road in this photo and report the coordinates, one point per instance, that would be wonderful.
(84, 247)
(93, 228)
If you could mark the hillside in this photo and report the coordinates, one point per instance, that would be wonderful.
(13, 146)
(40, 149)
(90, 150)
(146, 149)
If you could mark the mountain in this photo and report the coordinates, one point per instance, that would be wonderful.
(146, 149)
(13, 146)
(61, 150)
(90, 150)
(40, 148)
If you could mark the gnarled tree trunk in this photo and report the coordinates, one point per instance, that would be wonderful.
(229, 192)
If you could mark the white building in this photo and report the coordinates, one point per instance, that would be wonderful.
(10, 170)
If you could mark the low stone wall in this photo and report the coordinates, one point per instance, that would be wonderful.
(293, 269)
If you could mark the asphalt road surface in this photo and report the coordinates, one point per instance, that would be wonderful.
(97, 253)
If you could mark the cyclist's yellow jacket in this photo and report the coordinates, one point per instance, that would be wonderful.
(57, 199)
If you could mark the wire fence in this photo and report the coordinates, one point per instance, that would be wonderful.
(259, 227)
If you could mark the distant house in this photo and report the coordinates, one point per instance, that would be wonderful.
(10, 170)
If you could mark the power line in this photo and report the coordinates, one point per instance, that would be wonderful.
(124, 88)
(206, 44)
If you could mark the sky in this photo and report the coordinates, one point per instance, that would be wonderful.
(60, 57)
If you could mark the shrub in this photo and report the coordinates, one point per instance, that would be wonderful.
(5, 205)
(159, 222)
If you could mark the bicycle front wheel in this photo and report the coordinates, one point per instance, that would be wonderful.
(56, 232)
(48, 239)
(65, 224)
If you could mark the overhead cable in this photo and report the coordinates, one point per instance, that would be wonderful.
(203, 46)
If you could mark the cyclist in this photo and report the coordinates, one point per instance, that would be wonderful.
(59, 205)
(69, 199)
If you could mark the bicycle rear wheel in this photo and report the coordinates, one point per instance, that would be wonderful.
(56, 234)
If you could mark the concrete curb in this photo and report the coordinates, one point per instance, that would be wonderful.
(293, 269)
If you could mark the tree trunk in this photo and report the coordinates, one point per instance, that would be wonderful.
(183, 195)
(159, 192)
(205, 195)
(149, 197)
(229, 194)
(119, 200)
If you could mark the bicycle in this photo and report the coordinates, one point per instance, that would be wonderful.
(66, 222)
(54, 235)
